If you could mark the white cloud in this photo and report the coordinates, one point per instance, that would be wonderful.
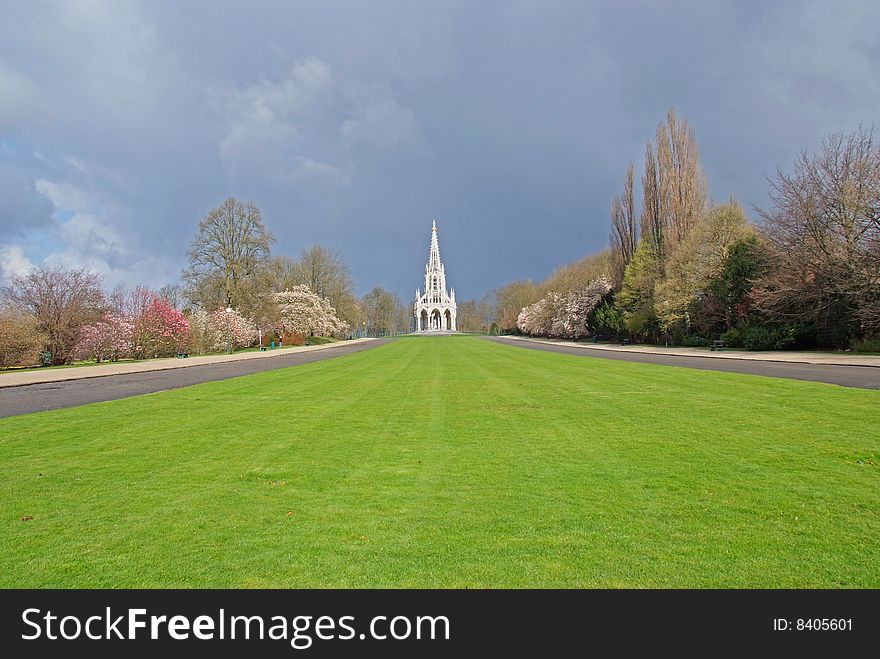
(13, 261)
(64, 195)
(306, 169)
(271, 122)
(89, 234)
(272, 113)
(95, 238)
(90, 242)
(76, 163)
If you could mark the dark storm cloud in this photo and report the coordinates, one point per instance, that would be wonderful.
(353, 124)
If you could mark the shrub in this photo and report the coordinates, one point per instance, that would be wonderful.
(695, 341)
(294, 339)
(759, 337)
(866, 345)
(20, 338)
(733, 338)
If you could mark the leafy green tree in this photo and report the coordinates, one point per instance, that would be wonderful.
(694, 261)
(636, 298)
(729, 292)
(608, 319)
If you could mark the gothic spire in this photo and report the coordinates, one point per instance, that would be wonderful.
(434, 256)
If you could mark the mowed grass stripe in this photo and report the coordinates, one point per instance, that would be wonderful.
(450, 461)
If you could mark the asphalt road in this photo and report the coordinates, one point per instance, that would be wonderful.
(69, 393)
(862, 377)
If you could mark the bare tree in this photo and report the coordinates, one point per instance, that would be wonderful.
(384, 313)
(61, 301)
(470, 318)
(824, 227)
(325, 271)
(230, 248)
(674, 185)
(577, 275)
(174, 294)
(624, 235)
(510, 300)
(283, 274)
(651, 221)
(117, 301)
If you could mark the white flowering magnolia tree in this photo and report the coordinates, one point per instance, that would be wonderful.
(209, 331)
(538, 319)
(565, 316)
(304, 312)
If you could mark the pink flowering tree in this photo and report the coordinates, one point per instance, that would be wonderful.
(107, 340)
(159, 329)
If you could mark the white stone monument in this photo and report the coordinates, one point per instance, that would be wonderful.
(435, 310)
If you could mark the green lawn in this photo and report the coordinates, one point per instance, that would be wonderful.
(450, 462)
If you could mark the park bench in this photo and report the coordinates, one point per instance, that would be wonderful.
(626, 342)
(717, 345)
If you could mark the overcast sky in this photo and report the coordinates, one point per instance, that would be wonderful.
(353, 124)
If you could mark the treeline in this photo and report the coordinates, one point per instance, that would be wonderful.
(497, 312)
(233, 294)
(685, 271)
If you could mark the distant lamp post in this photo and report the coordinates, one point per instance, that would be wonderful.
(666, 333)
(228, 330)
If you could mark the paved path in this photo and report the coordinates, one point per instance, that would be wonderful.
(862, 371)
(37, 376)
(108, 385)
